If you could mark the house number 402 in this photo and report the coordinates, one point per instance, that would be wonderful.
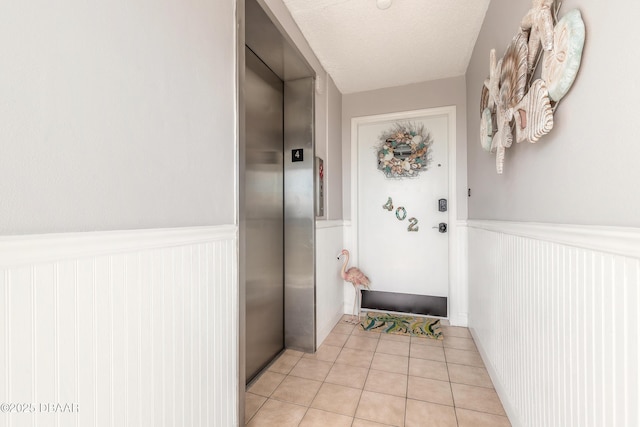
(401, 214)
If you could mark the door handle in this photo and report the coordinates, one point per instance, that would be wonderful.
(442, 227)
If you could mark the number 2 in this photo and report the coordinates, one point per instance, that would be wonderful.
(413, 225)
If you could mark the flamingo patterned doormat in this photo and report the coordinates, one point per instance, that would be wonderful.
(402, 325)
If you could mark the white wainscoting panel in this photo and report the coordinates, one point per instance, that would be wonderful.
(135, 328)
(329, 284)
(348, 293)
(554, 312)
(458, 277)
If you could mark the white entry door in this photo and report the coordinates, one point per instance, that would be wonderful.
(390, 204)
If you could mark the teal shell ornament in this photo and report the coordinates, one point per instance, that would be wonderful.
(404, 150)
(560, 65)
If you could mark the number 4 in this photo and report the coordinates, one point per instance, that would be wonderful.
(389, 205)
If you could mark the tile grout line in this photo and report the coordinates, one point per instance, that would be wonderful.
(270, 394)
(246, 422)
(316, 394)
(333, 363)
(366, 379)
(469, 385)
(453, 399)
(406, 392)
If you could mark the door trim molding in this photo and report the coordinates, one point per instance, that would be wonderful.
(450, 112)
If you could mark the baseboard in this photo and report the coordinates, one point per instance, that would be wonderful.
(324, 333)
(460, 319)
(512, 414)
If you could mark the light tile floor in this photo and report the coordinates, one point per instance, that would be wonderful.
(366, 379)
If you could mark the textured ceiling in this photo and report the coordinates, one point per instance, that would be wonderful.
(365, 48)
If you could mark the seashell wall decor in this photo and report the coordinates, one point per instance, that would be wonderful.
(510, 101)
(513, 74)
(560, 64)
(538, 22)
(486, 129)
(534, 115)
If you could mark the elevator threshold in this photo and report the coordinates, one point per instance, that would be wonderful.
(257, 376)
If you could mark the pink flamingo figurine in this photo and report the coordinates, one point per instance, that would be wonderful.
(357, 278)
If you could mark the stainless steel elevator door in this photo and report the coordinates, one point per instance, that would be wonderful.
(264, 264)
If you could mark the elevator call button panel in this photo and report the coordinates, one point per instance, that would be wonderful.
(319, 166)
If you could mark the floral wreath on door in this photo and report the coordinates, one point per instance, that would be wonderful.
(404, 150)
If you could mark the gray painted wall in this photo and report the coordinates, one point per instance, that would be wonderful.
(333, 162)
(116, 115)
(586, 170)
(437, 93)
(328, 107)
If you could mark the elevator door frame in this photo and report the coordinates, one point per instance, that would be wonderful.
(288, 63)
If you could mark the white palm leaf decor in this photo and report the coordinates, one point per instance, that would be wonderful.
(404, 150)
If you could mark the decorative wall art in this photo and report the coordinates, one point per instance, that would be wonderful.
(561, 63)
(512, 103)
(404, 150)
(401, 214)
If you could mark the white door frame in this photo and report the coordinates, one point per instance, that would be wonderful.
(450, 112)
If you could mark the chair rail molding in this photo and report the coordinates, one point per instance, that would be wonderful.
(42, 248)
(614, 240)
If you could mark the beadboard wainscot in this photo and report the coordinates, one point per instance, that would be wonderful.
(329, 284)
(459, 276)
(554, 312)
(348, 295)
(133, 327)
